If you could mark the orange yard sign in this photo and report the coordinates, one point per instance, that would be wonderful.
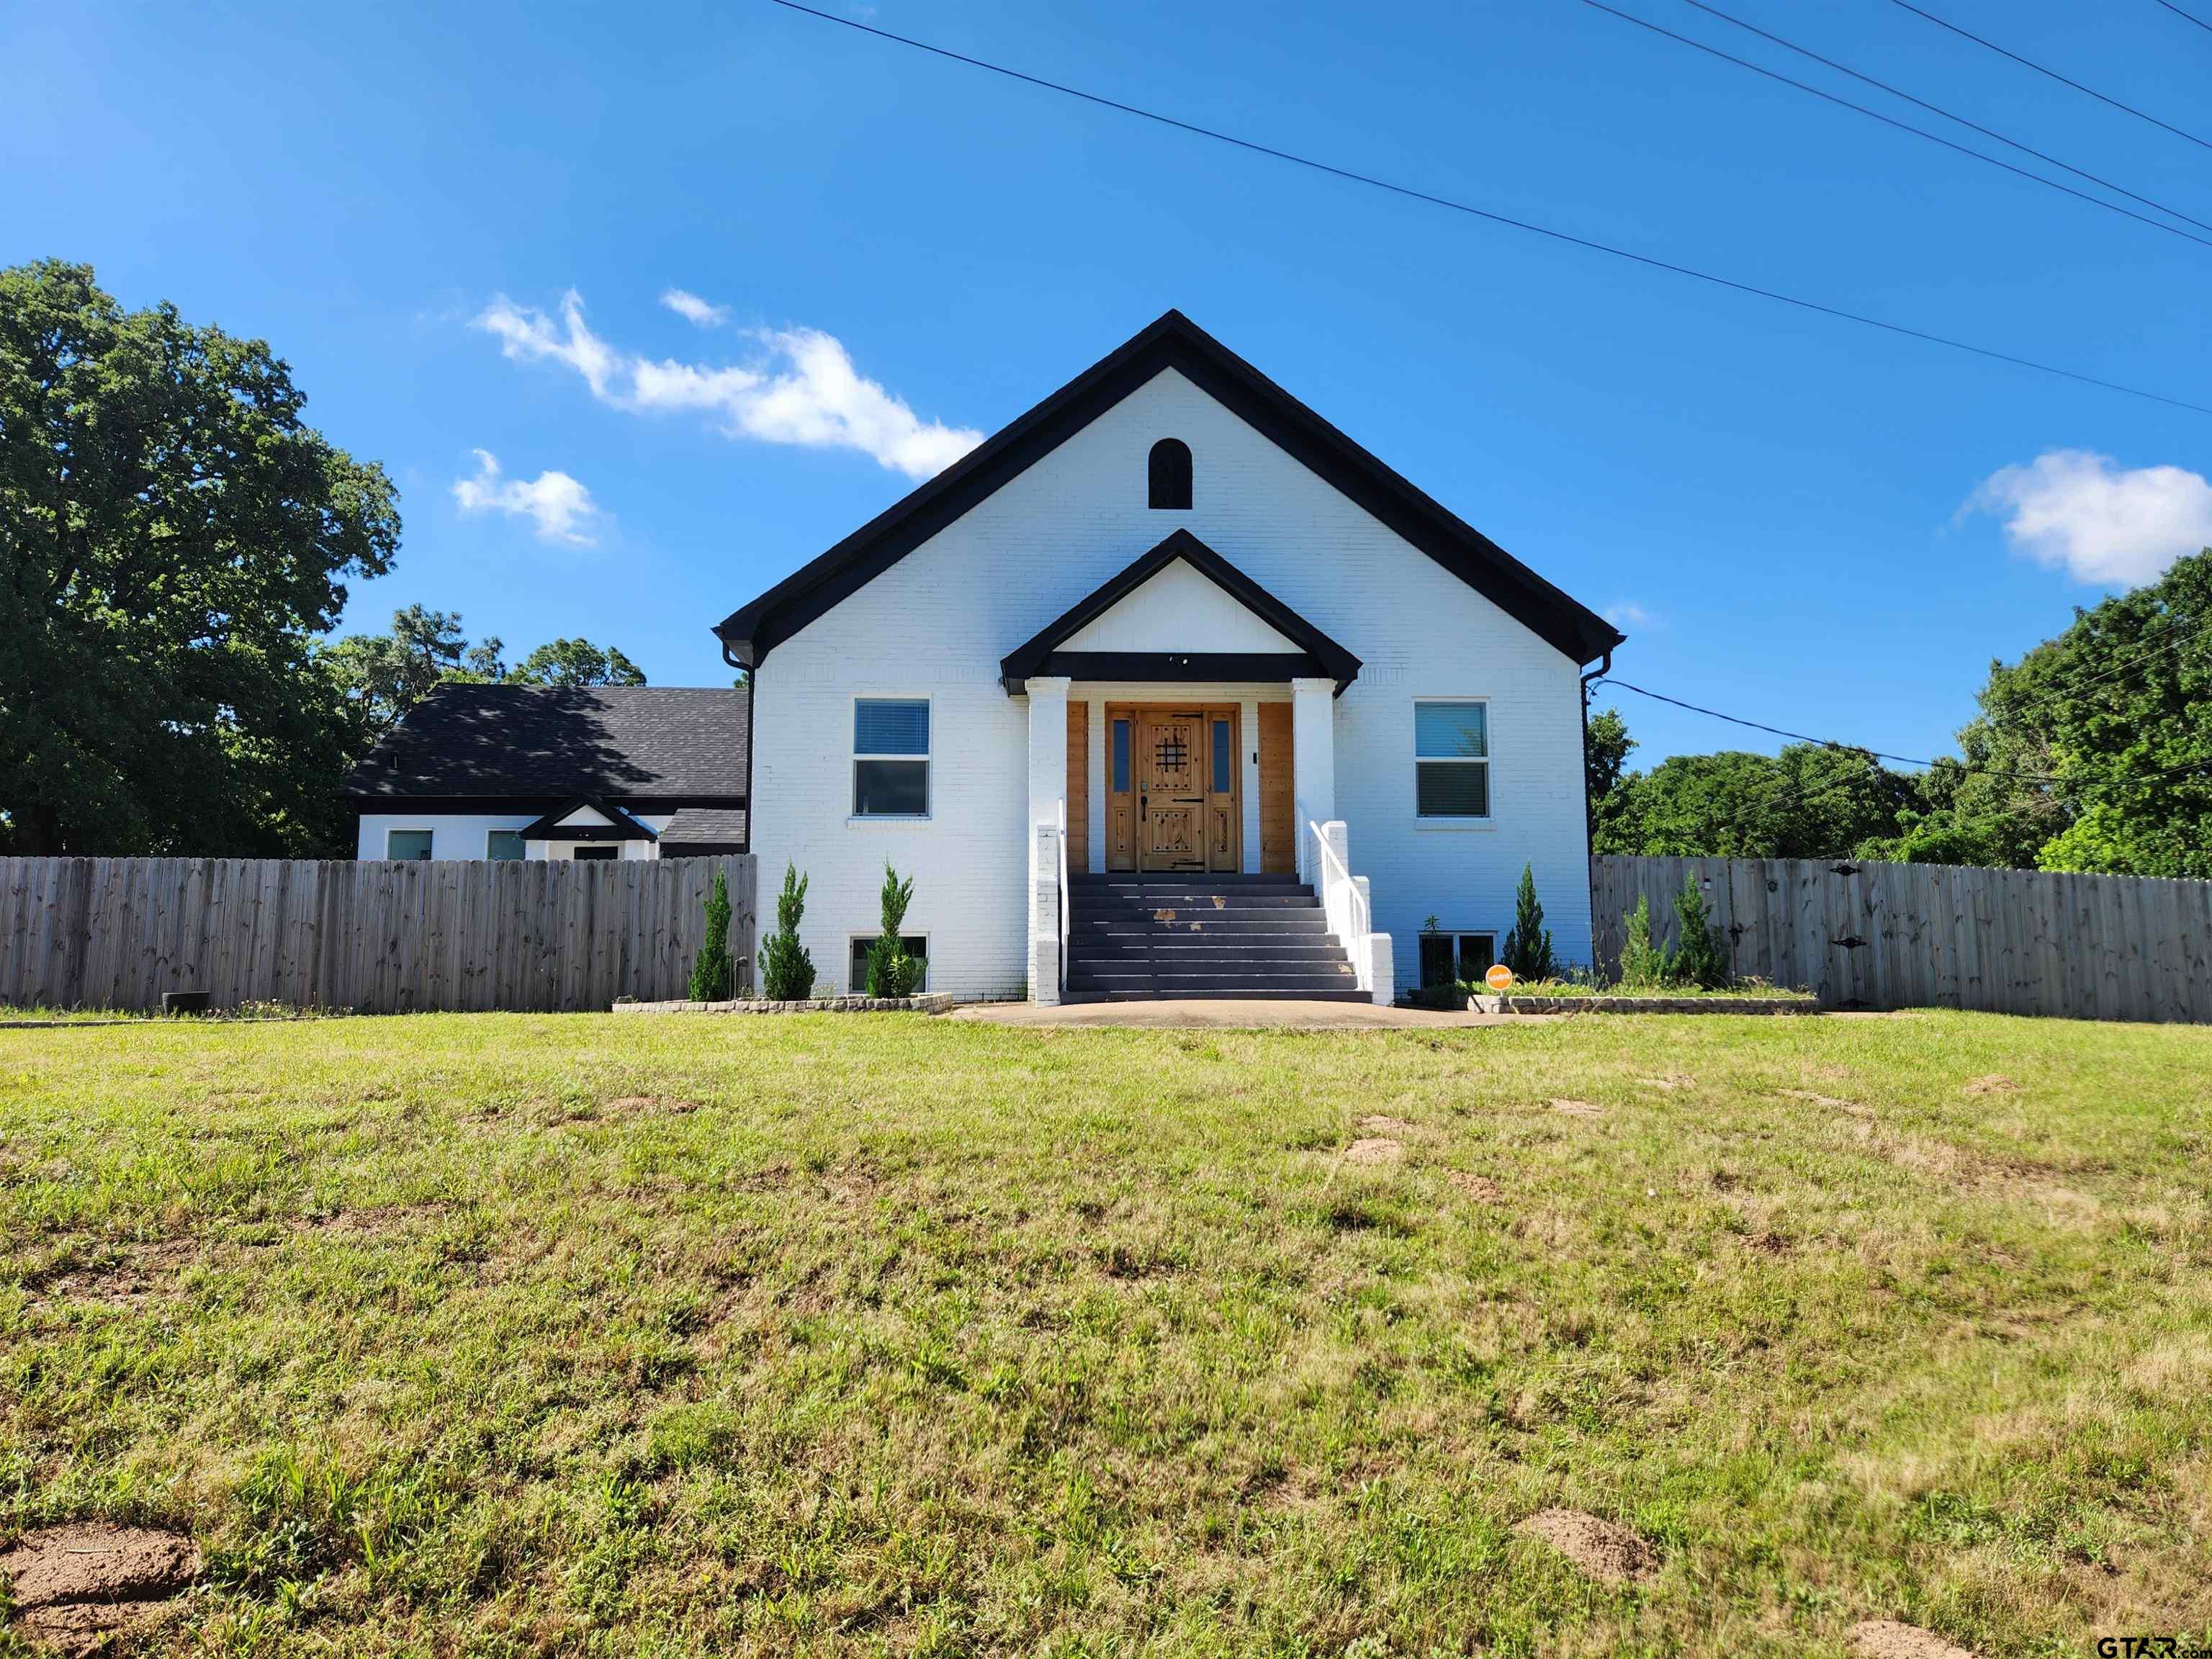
(1499, 978)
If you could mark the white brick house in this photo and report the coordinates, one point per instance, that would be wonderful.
(1177, 608)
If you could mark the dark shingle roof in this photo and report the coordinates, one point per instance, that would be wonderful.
(627, 742)
(710, 826)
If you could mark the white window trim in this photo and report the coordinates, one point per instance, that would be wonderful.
(429, 829)
(1489, 760)
(927, 757)
(852, 938)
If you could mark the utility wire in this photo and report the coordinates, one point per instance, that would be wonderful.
(1892, 121)
(2190, 15)
(1948, 115)
(2029, 63)
(1649, 261)
(2053, 778)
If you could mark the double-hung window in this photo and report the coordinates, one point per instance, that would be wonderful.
(890, 757)
(1451, 760)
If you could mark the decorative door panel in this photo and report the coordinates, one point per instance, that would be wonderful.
(1171, 790)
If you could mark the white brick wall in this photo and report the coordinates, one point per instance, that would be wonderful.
(936, 624)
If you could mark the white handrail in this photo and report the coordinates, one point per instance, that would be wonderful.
(1064, 905)
(1358, 921)
(1351, 914)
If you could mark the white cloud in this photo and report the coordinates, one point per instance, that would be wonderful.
(2081, 513)
(693, 309)
(1627, 615)
(560, 506)
(801, 388)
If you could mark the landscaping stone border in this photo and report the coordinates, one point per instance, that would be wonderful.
(929, 1002)
(1484, 1004)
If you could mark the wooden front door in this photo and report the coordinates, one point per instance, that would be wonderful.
(1171, 790)
(1172, 797)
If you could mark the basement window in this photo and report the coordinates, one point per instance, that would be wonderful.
(1460, 958)
(914, 945)
(890, 757)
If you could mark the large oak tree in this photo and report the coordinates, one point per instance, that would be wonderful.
(173, 540)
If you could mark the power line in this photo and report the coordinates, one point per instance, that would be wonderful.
(2029, 63)
(1649, 261)
(2190, 15)
(1948, 115)
(1892, 121)
(1841, 747)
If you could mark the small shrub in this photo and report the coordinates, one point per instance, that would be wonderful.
(1643, 966)
(1702, 960)
(891, 971)
(786, 968)
(1529, 946)
(713, 974)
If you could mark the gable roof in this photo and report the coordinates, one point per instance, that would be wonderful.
(754, 630)
(612, 823)
(619, 741)
(1317, 654)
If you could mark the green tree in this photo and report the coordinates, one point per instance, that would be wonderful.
(1605, 748)
(1809, 801)
(383, 676)
(173, 539)
(1528, 950)
(891, 971)
(2094, 751)
(576, 662)
(786, 967)
(713, 974)
(1701, 957)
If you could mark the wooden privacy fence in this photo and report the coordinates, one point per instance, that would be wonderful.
(1924, 935)
(377, 937)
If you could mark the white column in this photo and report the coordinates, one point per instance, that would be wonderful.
(1047, 695)
(1313, 759)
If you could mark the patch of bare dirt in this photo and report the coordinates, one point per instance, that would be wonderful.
(1831, 1103)
(76, 1586)
(1885, 1638)
(1577, 1109)
(1374, 1149)
(1771, 1243)
(1383, 1126)
(1608, 1553)
(136, 1275)
(1481, 1188)
(1996, 1083)
(635, 1105)
(1672, 1081)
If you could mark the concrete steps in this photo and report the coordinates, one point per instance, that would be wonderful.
(1134, 938)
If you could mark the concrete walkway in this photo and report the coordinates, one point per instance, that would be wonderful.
(1283, 1015)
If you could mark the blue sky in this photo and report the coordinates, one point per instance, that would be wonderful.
(399, 199)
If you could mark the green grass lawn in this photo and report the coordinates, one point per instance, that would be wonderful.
(490, 1335)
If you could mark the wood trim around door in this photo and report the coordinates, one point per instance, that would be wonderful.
(1200, 824)
(1078, 786)
(1279, 829)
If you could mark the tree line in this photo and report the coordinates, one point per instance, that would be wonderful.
(175, 546)
(2093, 753)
